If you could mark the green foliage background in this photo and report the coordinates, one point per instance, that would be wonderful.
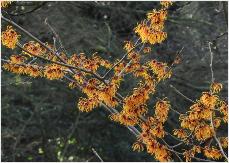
(39, 118)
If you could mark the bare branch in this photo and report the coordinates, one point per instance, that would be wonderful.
(211, 60)
(97, 155)
(178, 92)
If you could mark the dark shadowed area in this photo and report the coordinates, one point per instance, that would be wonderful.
(39, 118)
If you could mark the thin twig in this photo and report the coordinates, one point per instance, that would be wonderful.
(97, 155)
(211, 60)
(217, 140)
(178, 92)
(198, 159)
(176, 111)
(124, 56)
(56, 35)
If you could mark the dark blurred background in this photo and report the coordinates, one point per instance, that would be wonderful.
(39, 118)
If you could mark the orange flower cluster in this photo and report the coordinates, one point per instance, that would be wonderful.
(203, 132)
(157, 19)
(188, 154)
(5, 4)
(34, 48)
(134, 106)
(147, 50)
(17, 59)
(161, 110)
(212, 153)
(151, 30)
(200, 114)
(90, 64)
(54, 71)
(224, 142)
(209, 100)
(151, 130)
(180, 133)
(99, 92)
(216, 87)
(16, 65)
(128, 46)
(138, 146)
(166, 4)
(10, 37)
(148, 35)
(160, 69)
(223, 107)
(87, 105)
(201, 121)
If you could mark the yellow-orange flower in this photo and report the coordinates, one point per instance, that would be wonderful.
(188, 123)
(33, 48)
(224, 142)
(160, 69)
(162, 154)
(224, 110)
(196, 149)
(10, 37)
(147, 50)
(17, 59)
(216, 87)
(149, 35)
(157, 19)
(18, 69)
(208, 99)
(53, 71)
(212, 153)
(128, 46)
(180, 133)
(162, 109)
(33, 70)
(188, 154)
(199, 111)
(166, 4)
(203, 132)
(158, 131)
(5, 4)
(217, 122)
(137, 146)
(86, 105)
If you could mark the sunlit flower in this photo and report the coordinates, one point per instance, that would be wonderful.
(212, 153)
(86, 105)
(157, 19)
(216, 87)
(5, 4)
(147, 50)
(208, 99)
(166, 4)
(161, 110)
(10, 37)
(203, 132)
(34, 48)
(180, 133)
(224, 142)
(161, 69)
(53, 71)
(128, 46)
(33, 70)
(137, 146)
